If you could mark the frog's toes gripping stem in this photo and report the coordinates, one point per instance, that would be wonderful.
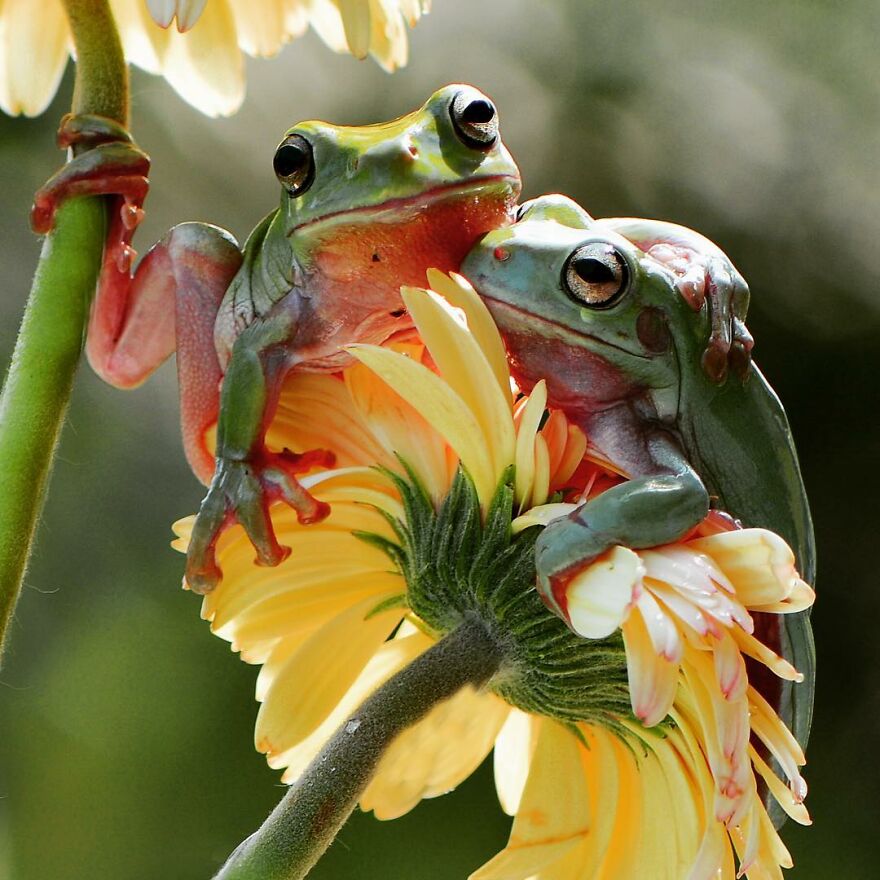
(112, 165)
(243, 491)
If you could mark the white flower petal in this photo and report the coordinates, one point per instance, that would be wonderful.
(600, 596)
(162, 11)
(205, 66)
(513, 756)
(33, 54)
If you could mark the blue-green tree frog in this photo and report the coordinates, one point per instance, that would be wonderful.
(645, 347)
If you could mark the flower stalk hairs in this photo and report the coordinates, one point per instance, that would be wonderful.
(630, 737)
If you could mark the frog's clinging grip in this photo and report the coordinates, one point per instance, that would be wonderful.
(643, 512)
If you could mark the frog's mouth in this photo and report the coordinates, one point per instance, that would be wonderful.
(523, 317)
(503, 188)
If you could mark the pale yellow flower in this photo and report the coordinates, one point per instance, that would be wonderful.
(602, 794)
(201, 56)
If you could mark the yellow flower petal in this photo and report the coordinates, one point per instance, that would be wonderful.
(750, 646)
(759, 564)
(388, 42)
(33, 54)
(143, 41)
(541, 480)
(326, 21)
(294, 613)
(652, 678)
(768, 727)
(513, 756)
(356, 21)
(698, 580)
(205, 66)
(322, 559)
(458, 292)
(440, 406)
(665, 637)
(553, 814)
(682, 796)
(541, 515)
(600, 596)
(398, 429)
(621, 857)
(316, 677)
(391, 657)
(264, 26)
(436, 754)
(528, 423)
(801, 597)
(464, 367)
(780, 791)
(575, 450)
(315, 412)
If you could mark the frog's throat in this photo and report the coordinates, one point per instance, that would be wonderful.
(507, 187)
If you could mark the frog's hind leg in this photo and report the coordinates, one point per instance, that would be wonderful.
(170, 302)
(206, 259)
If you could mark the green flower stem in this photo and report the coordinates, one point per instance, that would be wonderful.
(309, 816)
(40, 378)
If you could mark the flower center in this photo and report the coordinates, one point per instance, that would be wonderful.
(458, 564)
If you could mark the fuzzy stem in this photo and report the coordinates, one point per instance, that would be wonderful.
(40, 378)
(310, 815)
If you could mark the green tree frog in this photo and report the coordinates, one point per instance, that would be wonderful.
(635, 346)
(363, 210)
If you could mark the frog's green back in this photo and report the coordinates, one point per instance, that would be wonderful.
(738, 438)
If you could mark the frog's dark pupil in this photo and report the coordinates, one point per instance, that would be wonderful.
(593, 271)
(478, 112)
(290, 159)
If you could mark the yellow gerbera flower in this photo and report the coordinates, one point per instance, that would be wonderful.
(623, 752)
(202, 56)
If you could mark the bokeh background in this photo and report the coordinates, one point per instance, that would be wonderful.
(126, 728)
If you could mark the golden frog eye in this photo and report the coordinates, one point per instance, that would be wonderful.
(294, 164)
(474, 119)
(596, 275)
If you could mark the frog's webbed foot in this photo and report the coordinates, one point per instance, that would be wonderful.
(111, 165)
(708, 276)
(242, 491)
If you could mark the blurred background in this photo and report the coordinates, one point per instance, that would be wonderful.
(126, 728)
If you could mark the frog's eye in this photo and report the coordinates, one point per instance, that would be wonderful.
(294, 164)
(474, 119)
(595, 275)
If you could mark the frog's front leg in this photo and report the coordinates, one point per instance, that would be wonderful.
(660, 505)
(704, 273)
(248, 476)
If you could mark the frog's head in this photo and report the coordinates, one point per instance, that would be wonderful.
(585, 309)
(393, 199)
